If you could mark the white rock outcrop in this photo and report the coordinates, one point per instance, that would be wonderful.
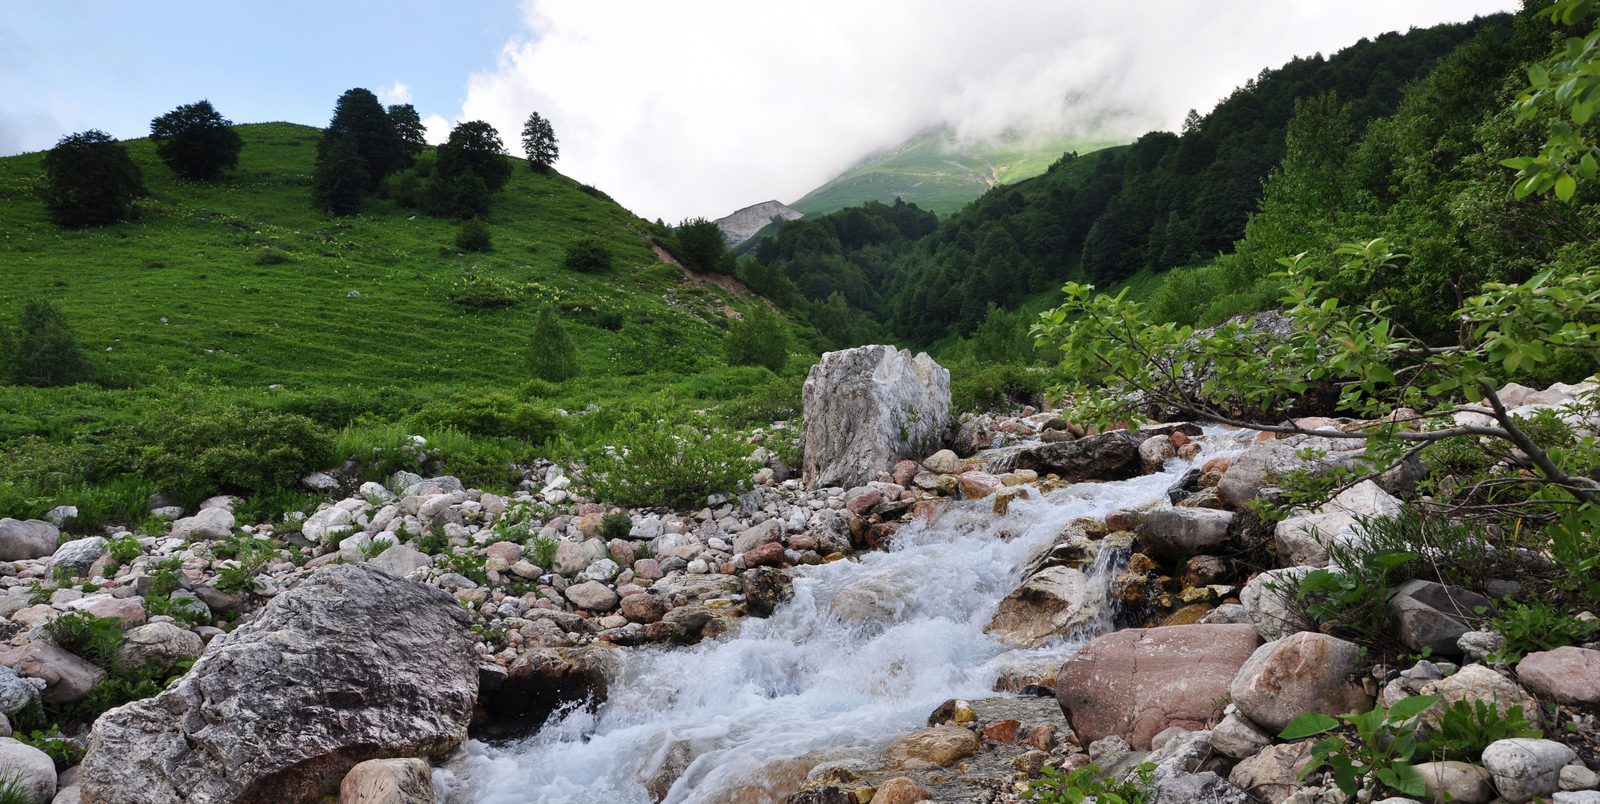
(868, 408)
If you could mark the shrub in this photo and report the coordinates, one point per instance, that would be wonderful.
(496, 415)
(474, 237)
(552, 356)
(481, 292)
(662, 455)
(778, 399)
(760, 339)
(589, 255)
(42, 350)
(90, 180)
(698, 244)
(615, 526)
(1539, 626)
(475, 146)
(94, 638)
(195, 141)
(997, 386)
(340, 176)
(1087, 783)
(272, 255)
(233, 450)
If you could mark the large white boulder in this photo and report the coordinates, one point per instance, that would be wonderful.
(867, 409)
(1303, 538)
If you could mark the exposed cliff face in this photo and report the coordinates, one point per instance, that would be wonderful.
(742, 225)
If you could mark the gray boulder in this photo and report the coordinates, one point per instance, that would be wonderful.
(402, 560)
(164, 643)
(1304, 672)
(1184, 532)
(1260, 464)
(33, 770)
(352, 664)
(1056, 602)
(1525, 768)
(18, 692)
(34, 538)
(1432, 616)
(211, 523)
(79, 555)
(867, 409)
(757, 535)
(1268, 601)
(1303, 538)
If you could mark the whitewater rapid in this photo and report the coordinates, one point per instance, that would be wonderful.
(907, 635)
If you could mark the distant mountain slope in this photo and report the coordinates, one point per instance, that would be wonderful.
(742, 225)
(938, 172)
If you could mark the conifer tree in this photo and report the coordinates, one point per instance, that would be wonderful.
(539, 143)
(408, 125)
(339, 180)
(758, 340)
(42, 350)
(552, 356)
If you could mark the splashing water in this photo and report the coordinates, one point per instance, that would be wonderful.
(861, 655)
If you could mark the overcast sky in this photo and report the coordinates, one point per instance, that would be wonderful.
(675, 108)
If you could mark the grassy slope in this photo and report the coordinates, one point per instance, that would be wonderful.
(191, 259)
(940, 173)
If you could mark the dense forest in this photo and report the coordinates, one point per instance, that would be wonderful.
(1399, 136)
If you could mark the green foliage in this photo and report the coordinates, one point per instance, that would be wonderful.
(341, 176)
(615, 526)
(124, 549)
(60, 750)
(475, 146)
(541, 550)
(42, 350)
(1354, 602)
(94, 638)
(232, 450)
(360, 121)
(588, 255)
(496, 415)
(539, 143)
(1086, 783)
(983, 388)
(1380, 756)
(759, 339)
(196, 142)
(1467, 727)
(272, 255)
(249, 555)
(408, 126)
(552, 356)
(90, 180)
(13, 791)
(474, 237)
(1539, 626)
(699, 245)
(660, 454)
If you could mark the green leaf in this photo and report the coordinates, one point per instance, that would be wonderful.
(1413, 706)
(1308, 724)
(1566, 186)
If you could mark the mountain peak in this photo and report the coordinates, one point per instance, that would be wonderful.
(742, 225)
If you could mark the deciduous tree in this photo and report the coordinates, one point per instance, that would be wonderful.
(196, 142)
(90, 179)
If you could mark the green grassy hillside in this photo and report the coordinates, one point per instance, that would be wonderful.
(938, 172)
(362, 300)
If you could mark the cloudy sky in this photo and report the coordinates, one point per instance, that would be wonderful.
(677, 108)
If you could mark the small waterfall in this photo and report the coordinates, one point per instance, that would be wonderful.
(861, 655)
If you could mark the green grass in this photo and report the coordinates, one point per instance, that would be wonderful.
(940, 173)
(192, 258)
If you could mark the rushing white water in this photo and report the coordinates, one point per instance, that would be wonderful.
(827, 670)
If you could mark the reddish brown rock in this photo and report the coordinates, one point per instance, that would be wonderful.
(131, 611)
(647, 568)
(1569, 675)
(766, 555)
(977, 485)
(900, 790)
(1304, 672)
(1218, 465)
(904, 471)
(1002, 731)
(510, 551)
(1271, 775)
(802, 542)
(644, 608)
(1136, 682)
(863, 502)
(1179, 438)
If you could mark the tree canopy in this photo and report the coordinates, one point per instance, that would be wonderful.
(408, 125)
(539, 143)
(196, 142)
(42, 350)
(475, 145)
(359, 116)
(90, 180)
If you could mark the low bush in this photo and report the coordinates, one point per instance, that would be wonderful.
(983, 388)
(494, 414)
(777, 399)
(480, 292)
(759, 339)
(589, 255)
(664, 455)
(552, 356)
(235, 450)
(474, 236)
(272, 255)
(1087, 783)
(1539, 626)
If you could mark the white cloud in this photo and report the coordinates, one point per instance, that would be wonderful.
(437, 129)
(700, 107)
(394, 93)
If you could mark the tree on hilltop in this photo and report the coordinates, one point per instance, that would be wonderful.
(90, 179)
(359, 116)
(195, 141)
(476, 145)
(408, 124)
(539, 142)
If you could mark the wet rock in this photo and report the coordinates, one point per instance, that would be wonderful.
(164, 643)
(67, 677)
(544, 679)
(824, 794)
(977, 485)
(1124, 519)
(1002, 731)
(1137, 682)
(939, 745)
(1432, 616)
(1107, 456)
(765, 588)
(1304, 672)
(1052, 603)
(1183, 532)
(868, 408)
(388, 781)
(1155, 451)
(1463, 782)
(1302, 539)
(25, 539)
(1270, 775)
(1524, 768)
(352, 664)
(900, 790)
(1568, 675)
(954, 712)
